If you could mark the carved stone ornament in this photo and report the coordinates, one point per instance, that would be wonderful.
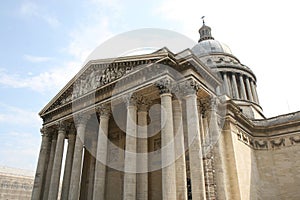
(130, 99)
(97, 77)
(261, 144)
(81, 119)
(276, 143)
(61, 125)
(294, 140)
(189, 87)
(45, 131)
(103, 110)
(164, 85)
(143, 103)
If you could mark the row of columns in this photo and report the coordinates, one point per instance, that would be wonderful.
(246, 89)
(174, 185)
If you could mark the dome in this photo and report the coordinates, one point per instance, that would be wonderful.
(209, 46)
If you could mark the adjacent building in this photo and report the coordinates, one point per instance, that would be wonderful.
(15, 184)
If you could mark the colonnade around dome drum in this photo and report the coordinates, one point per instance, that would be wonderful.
(240, 87)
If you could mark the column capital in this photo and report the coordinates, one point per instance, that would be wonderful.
(164, 85)
(103, 110)
(208, 104)
(143, 103)
(45, 131)
(130, 99)
(81, 119)
(72, 132)
(189, 87)
(61, 125)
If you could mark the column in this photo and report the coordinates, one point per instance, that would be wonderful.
(142, 150)
(250, 95)
(181, 184)
(195, 146)
(229, 85)
(91, 174)
(40, 171)
(59, 150)
(50, 166)
(226, 84)
(243, 90)
(254, 92)
(80, 123)
(130, 151)
(68, 165)
(101, 155)
(235, 87)
(219, 171)
(167, 141)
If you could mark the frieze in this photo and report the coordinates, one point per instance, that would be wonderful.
(295, 140)
(268, 143)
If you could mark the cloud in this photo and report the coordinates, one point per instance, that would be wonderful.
(102, 16)
(87, 36)
(10, 115)
(36, 59)
(31, 9)
(51, 80)
(19, 149)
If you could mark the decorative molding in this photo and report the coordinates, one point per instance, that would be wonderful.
(268, 143)
(293, 140)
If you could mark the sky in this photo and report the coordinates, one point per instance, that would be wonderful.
(44, 43)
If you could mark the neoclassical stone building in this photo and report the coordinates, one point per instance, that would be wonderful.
(167, 126)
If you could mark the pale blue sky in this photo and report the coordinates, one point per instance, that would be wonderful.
(43, 44)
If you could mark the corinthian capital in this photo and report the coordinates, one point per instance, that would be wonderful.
(61, 125)
(45, 131)
(143, 103)
(130, 99)
(103, 110)
(81, 119)
(164, 85)
(189, 87)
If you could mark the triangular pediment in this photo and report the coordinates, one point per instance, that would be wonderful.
(98, 74)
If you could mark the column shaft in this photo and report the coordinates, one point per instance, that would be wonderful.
(40, 171)
(250, 95)
(226, 84)
(235, 87)
(243, 89)
(167, 151)
(91, 175)
(254, 92)
(50, 166)
(56, 170)
(142, 159)
(181, 184)
(77, 161)
(130, 154)
(68, 167)
(195, 148)
(101, 159)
